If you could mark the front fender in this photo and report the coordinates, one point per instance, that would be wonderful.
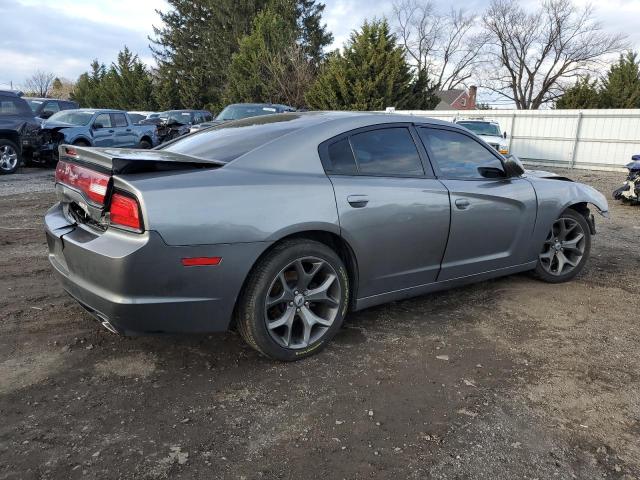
(555, 195)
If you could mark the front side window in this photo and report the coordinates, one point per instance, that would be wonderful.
(388, 151)
(459, 156)
(103, 120)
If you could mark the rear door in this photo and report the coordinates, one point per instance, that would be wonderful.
(124, 136)
(492, 218)
(392, 210)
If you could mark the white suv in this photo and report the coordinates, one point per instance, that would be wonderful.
(489, 131)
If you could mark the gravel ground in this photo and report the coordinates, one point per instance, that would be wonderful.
(505, 379)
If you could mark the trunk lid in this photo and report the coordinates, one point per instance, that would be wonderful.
(84, 177)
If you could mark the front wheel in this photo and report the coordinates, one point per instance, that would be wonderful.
(294, 301)
(9, 157)
(566, 248)
(144, 145)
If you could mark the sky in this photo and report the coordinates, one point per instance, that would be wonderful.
(64, 36)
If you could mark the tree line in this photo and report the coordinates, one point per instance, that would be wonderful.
(209, 53)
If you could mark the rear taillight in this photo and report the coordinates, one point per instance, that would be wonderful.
(125, 212)
(93, 184)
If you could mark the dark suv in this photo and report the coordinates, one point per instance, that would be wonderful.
(19, 130)
(45, 107)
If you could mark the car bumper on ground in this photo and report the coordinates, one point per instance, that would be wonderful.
(136, 283)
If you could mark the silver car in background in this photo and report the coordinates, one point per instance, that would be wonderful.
(278, 225)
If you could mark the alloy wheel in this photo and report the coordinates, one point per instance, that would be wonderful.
(564, 247)
(8, 158)
(302, 302)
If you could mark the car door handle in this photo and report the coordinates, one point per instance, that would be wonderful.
(111, 131)
(128, 129)
(462, 203)
(358, 201)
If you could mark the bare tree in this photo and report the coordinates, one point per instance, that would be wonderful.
(291, 73)
(535, 54)
(448, 47)
(39, 83)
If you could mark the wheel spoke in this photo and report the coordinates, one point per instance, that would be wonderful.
(321, 293)
(573, 243)
(285, 296)
(304, 277)
(548, 255)
(286, 319)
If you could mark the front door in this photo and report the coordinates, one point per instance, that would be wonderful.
(394, 215)
(492, 217)
(102, 131)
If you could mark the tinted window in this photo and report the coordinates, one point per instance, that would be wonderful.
(14, 106)
(457, 155)
(104, 120)
(51, 107)
(482, 128)
(388, 151)
(119, 120)
(341, 158)
(136, 117)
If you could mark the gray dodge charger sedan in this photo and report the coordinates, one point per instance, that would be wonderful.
(277, 226)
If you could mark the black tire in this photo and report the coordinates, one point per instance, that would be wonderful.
(144, 144)
(252, 312)
(10, 157)
(81, 143)
(543, 273)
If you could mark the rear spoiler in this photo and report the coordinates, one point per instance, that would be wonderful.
(128, 160)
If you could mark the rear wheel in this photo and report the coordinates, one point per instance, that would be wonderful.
(10, 157)
(566, 248)
(294, 301)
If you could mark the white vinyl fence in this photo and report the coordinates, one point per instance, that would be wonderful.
(589, 139)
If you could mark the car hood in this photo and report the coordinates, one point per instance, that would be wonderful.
(545, 174)
(57, 125)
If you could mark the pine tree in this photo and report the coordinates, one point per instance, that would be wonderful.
(313, 35)
(621, 87)
(371, 73)
(584, 94)
(194, 47)
(423, 93)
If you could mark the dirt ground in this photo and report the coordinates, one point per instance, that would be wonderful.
(506, 379)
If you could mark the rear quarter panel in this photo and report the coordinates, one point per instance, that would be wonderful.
(229, 205)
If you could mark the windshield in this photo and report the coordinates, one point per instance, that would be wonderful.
(236, 112)
(176, 117)
(72, 117)
(34, 104)
(482, 128)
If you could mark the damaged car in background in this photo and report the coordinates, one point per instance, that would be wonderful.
(19, 131)
(279, 225)
(93, 128)
(630, 190)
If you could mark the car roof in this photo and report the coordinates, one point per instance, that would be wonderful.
(13, 93)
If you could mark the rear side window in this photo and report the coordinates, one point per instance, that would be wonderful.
(13, 106)
(388, 151)
(341, 158)
(457, 155)
(119, 120)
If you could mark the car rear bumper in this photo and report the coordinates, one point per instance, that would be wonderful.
(136, 283)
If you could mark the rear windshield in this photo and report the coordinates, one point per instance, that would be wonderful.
(229, 141)
(236, 112)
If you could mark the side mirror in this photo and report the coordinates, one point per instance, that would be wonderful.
(46, 114)
(491, 172)
(504, 135)
(97, 126)
(513, 166)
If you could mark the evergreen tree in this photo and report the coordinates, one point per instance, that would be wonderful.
(249, 77)
(584, 94)
(371, 73)
(194, 47)
(313, 35)
(621, 87)
(423, 93)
